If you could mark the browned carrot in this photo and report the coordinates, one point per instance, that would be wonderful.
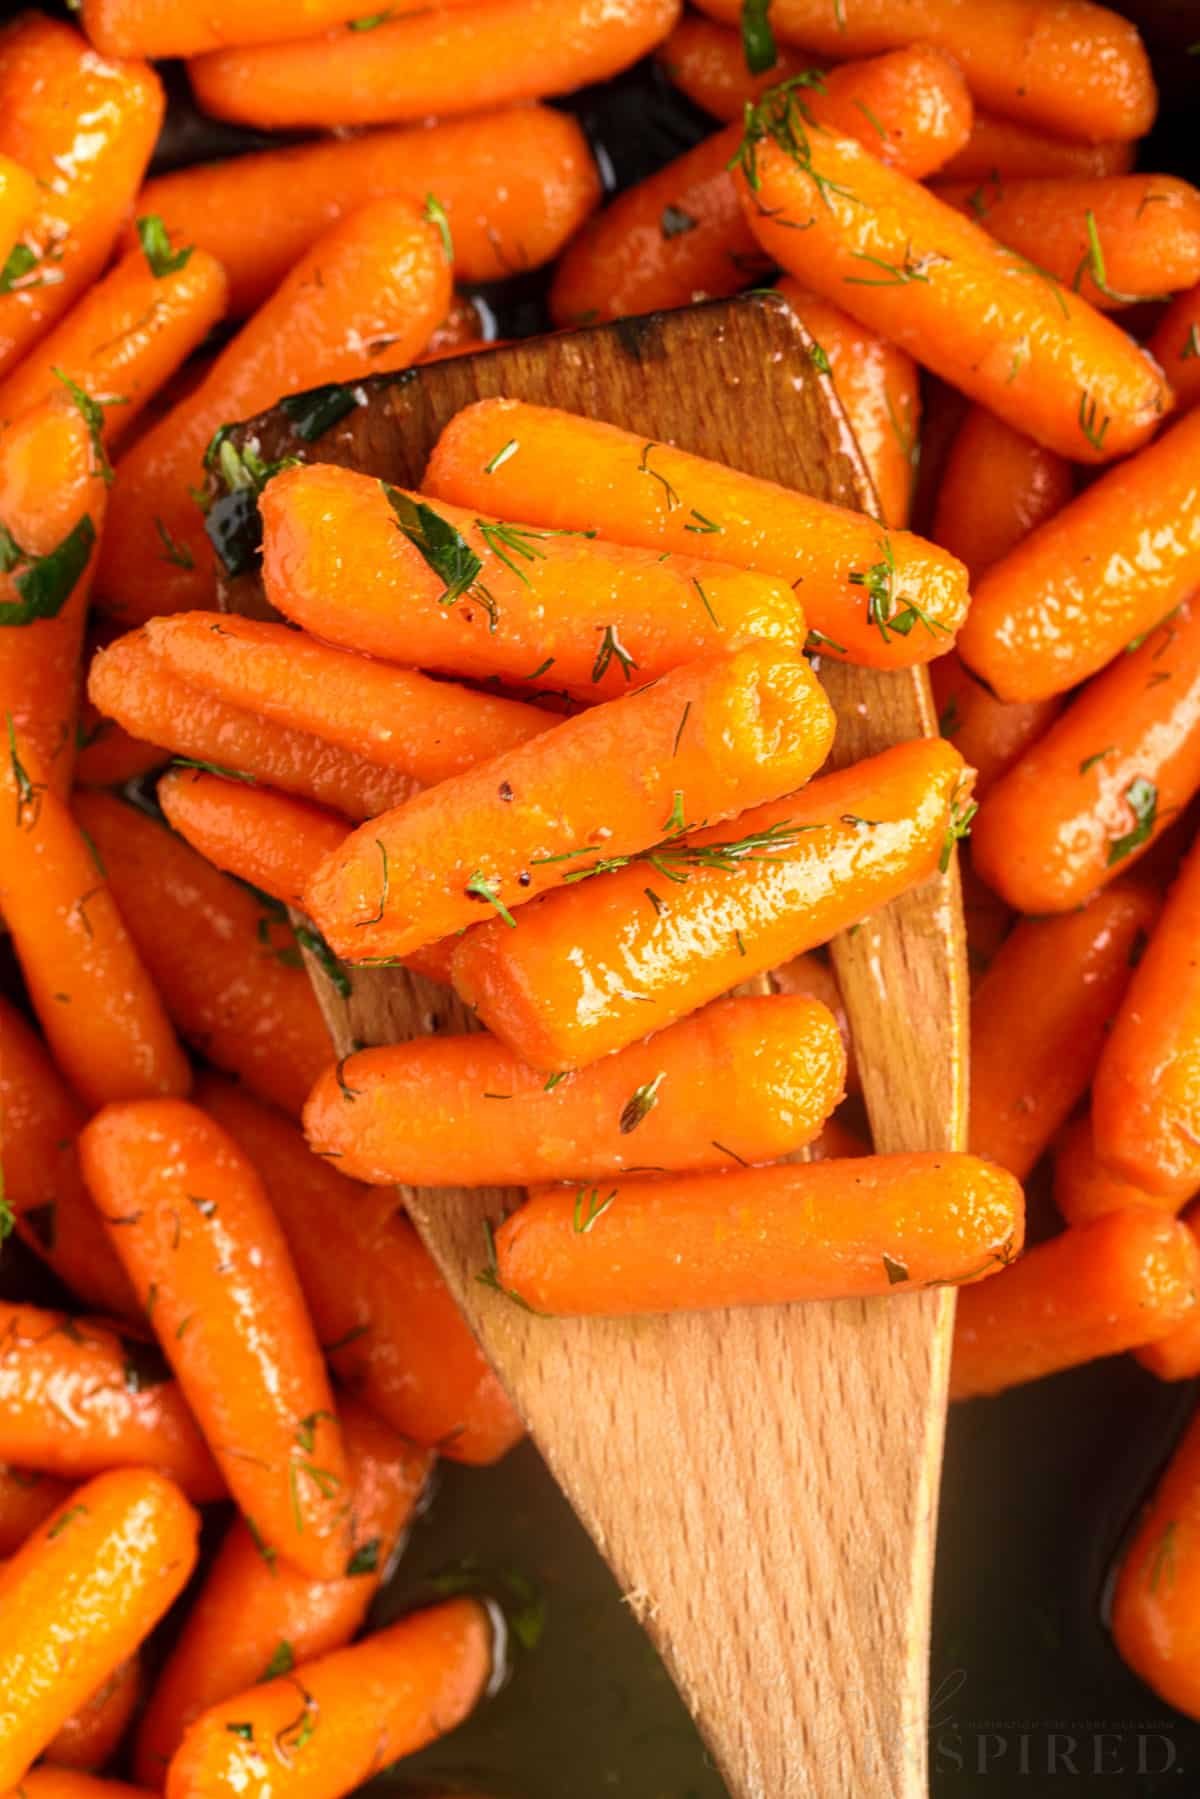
(390, 1327)
(882, 598)
(189, 1217)
(1118, 1281)
(514, 186)
(743, 725)
(760, 1236)
(589, 971)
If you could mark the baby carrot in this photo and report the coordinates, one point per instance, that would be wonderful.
(189, 1217)
(514, 185)
(84, 128)
(326, 1729)
(903, 262)
(1105, 780)
(364, 565)
(390, 1327)
(42, 1183)
(1115, 239)
(18, 192)
(811, 974)
(109, 756)
(1072, 67)
(760, 1236)
(1156, 1603)
(1062, 603)
(79, 1398)
(1085, 1189)
(1098, 1288)
(52, 505)
(45, 1782)
(680, 235)
(26, 1500)
(1147, 1093)
(743, 725)
(268, 839)
(130, 683)
(79, 1596)
(126, 336)
(429, 1112)
(91, 1735)
(226, 964)
(96, 1003)
(1175, 343)
(884, 598)
(877, 386)
(363, 299)
(412, 68)
(707, 62)
(589, 971)
(1177, 1355)
(427, 730)
(1039, 1017)
(184, 28)
(254, 1616)
(990, 734)
(998, 147)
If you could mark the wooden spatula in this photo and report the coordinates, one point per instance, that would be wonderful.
(763, 1482)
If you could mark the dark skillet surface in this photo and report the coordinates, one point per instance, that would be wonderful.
(1030, 1698)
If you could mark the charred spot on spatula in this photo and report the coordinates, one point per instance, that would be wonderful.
(640, 338)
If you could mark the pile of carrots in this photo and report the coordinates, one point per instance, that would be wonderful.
(549, 731)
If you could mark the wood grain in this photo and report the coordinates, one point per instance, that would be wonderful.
(763, 1482)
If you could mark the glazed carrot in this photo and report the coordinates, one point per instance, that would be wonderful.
(877, 386)
(883, 598)
(268, 839)
(412, 68)
(184, 28)
(191, 1221)
(1072, 67)
(78, 1397)
(1175, 342)
(79, 1596)
(125, 337)
(1085, 1189)
(680, 235)
(591, 970)
(1038, 1020)
(1115, 239)
(84, 128)
(355, 561)
(1061, 605)
(1105, 780)
(812, 975)
(96, 1003)
(90, 1737)
(26, 1500)
(999, 147)
(1155, 1615)
(363, 299)
(253, 1616)
(514, 184)
(707, 62)
(996, 486)
(1147, 1093)
(107, 755)
(1111, 1284)
(45, 1782)
(743, 725)
(903, 262)
(760, 1236)
(127, 681)
(390, 1327)
(394, 717)
(326, 1729)
(52, 505)
(18, 193)
(42, 1183)
(225, 963)
(463, 1111)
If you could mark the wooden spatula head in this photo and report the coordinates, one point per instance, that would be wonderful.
(762, 1482)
